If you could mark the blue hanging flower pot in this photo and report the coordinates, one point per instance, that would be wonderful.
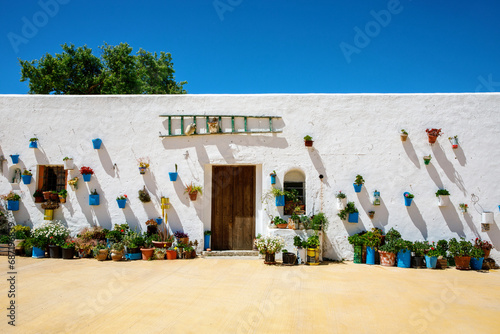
(280, 200)
(33, 144)
(353, 217)
(97, 143)
(357, 187)
(26, 179)
(15, 158)
(173, 176)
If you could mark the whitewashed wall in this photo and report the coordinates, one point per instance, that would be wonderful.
(353, 134)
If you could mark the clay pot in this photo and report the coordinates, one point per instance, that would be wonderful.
(147, 253)
(184, 241)
(160, 256)
(39, 199)
(462, 262)
(192, 196)
(161, 244)
(282, 225)
(116, 256)
(62, 199)
(486, 252)
(103, 255)
(387, 259)
(171, 254)
(308, 143)
(403, 137)
(186, 255)
(46, 195)
(432, 139)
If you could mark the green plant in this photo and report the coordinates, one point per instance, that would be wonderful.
(121, 197)
(420, 248)
(459, 248)
(482, 244)
(359, 180)
(94, 192)
(442, 192)
(319, 221)
(401, 244)
(34, 139)
(273, 173)
(160, 251)
(133, 240)
(114, 236)
(118, 246)
(297, 241)
(19, 235)
(442, 247)
(148, 242)
(25, 230)
(476, 253)
(63, 193)
(144, 195)
(403, 131)
(313, 241)
(51, 233)
(176, 168)
(207, 233)
(392, 235)
(12, 196)
(389, 247)
(340, 195)
(191, 189)
(278, 220)
(278, 192)
(409, 195)
(96, 249)
(357, 239)
(27, 172)
(269, 244)
(5, 239)
(66, 158)
(350, 208)
(433, 251)
(188, 249)
(371, 239)
(307, 138)
(69, 244)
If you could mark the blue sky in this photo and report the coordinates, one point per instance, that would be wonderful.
(279, 46)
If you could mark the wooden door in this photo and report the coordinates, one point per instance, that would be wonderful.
(233, 207)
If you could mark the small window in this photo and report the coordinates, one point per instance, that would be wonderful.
(294, 183)
(51, 178)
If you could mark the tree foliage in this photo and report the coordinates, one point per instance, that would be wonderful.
(117, 71)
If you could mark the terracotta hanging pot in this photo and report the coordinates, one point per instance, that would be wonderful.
(193, 195)
(432, 139)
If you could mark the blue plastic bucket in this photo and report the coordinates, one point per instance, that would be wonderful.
(408, 201)
(353, 217)
(431, 261)
(97, 143)
(280, 200)
(476, 264)
(370, 255)
(404, 258)
(93, 199)
(26, 179)
(13, 205)
(38, 253)
(33, 144)
(15, 158)
(357, 187)
(207, 242)
(173, 176)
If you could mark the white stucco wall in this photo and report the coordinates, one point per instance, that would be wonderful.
(352, 133)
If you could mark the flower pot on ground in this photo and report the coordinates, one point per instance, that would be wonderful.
(484, 245)
(270, 258)
(427, 159)
(102, 254)
(313, 250)
(38, 253)
(462, 262)
(193, 191)
(171, 254)
(33, 142)
(387, 259)
(371, 241)
(159, 253)
(370, 255)
(55, 252)
(206, 239)
(15, 158)
(288, 258)
(420, 248)
(68, 163)
(431, 258)
(441, 263)
(461, 251)
(68, 253)
(404, 135)
(117, 250)
(403, 257)
(357, 240)
(308, 141)
(269, 245)
(96, 143)
(433, 134)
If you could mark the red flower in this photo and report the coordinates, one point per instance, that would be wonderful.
(432, 248)
(125, 196)
(51, 237)
(121, 231)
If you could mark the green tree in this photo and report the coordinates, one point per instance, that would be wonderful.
(116, 71)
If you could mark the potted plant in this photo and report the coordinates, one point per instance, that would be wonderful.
(349, 212)
(52, 234)
(20, 233)
(74, 183)
(12, 201)
(442, 248)
(188, 252)
(358, 241)
(288, 258)
(27, 176)
(427, 159)
(173, 175)
(408, 198)
(144, 195)
(371, 241)
(160, 241)
(388, 253)
(486, 246)
(313, 244)
(160, 253)
(94, 198)
(420, 248)
(68, 163)
(143, 165)
(38, 195)
(319, 222)
(68, 250)
(193, 191)
(206, 240)
(442, 195)
(279, 223)
(301, 249)
(269, 245)
(33, 142)
(213, 125)
(403, 256)
(62, 195)
(15, 158)
(5, 242)
(431, 257)
(87, 173)
(454, 141)
(463, 207)
(273, 177)
(341, 200)
(96, 143)
(371, 214)
(358, 183)
(308, 141)
(476, 258)
(147, 250)
(171, 253)
(100, 252)
(122, 201)
(279, 194)
(461, 251)
(433, 134)
(117, 250)
(181, 237)
(404, 135)
(376, 197)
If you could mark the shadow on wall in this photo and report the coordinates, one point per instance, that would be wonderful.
(460, 156)
(448, 168)
(468, 220)
(150, 210)
(494, 234)
(40, 156)
(105, 159)
(173, 220)
(381, 218)
(410, 152)
(100, 212)
(417, 219)
(131, 219)
(318, 164)
(433, 173)
(179, 190)
(451, 217)
(151, 185)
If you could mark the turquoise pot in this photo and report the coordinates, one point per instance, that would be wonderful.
(121, 203)
(353, 217)
(13, 205)
(280, 200)
(15, 158)
(87, 177)
(431, 261)
(357, 187)
(33, 144)
(273, 179)
(26, 179)
(370, 255)
(476, 264)
(173, 176)
(96, 143)
(93, 199)
(207, 242)
(38, 253)
(404, 258)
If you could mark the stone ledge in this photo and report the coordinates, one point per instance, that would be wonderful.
(231, 253)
